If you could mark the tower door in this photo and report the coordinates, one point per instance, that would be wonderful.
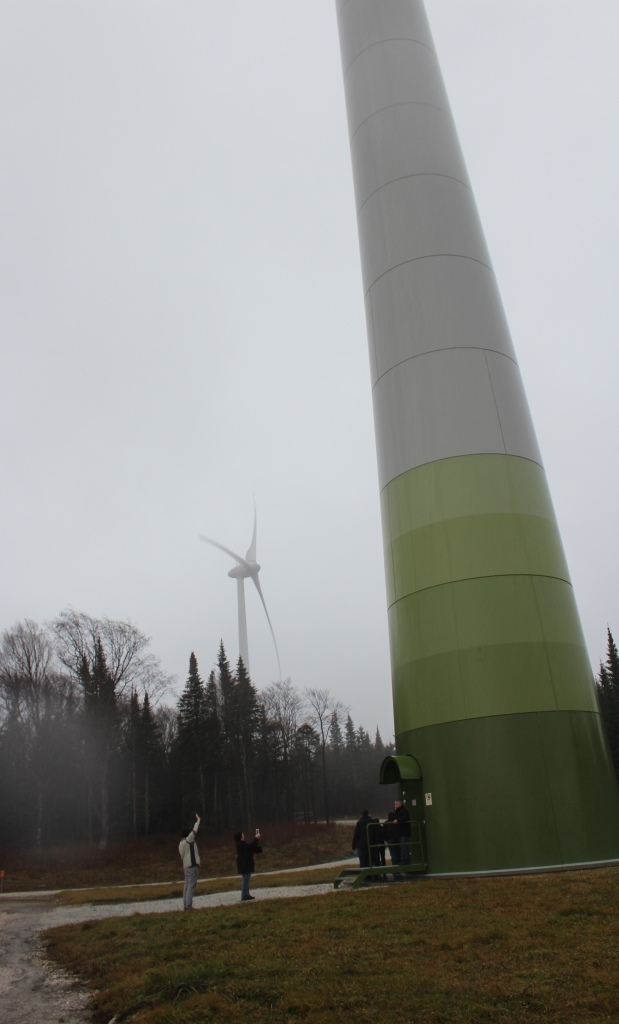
(404, 770)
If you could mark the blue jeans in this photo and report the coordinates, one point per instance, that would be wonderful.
(189, 889)
(245, 886)
(404, 854)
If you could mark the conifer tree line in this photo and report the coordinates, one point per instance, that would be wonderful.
(91, 752)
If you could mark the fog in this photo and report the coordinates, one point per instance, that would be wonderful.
(182, 314)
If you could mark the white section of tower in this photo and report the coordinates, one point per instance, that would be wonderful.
(438, 339)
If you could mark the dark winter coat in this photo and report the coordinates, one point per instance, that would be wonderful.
(360, 837)
(391, 832)
(245, 855)
(403, 819)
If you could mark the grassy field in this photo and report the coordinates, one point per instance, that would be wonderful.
(156, 859)
(510, 950)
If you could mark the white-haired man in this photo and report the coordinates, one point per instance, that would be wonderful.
(188, 849)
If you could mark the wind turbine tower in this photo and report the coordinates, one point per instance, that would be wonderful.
(501, 750)
(246, 568)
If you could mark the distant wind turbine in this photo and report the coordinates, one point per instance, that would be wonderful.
(246, 568)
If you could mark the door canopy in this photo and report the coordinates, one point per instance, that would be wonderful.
(399, 768)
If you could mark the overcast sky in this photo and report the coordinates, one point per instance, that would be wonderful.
(182, 313)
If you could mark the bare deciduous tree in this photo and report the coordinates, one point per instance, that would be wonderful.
(321, 707)
(282, 706)
(32, 690)
(130, 664)
(110, 661)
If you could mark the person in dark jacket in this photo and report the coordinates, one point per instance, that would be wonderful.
(245, 860)
(360, 839)
(391, 832)
(377, 843)
(403, 819)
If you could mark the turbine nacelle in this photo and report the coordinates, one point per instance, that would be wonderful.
(244, 571)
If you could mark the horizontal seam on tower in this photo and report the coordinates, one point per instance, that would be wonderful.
(446, 348)
(490, 576)
(419, 174)
(390, 39)
(466, 455)
(501, 714)
(458, 517)
(429, 256)
(400, 103)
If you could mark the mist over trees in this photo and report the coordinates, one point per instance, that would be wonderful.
(92, 750)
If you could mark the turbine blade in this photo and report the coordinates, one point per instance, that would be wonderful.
(237, 558)
(259, 589)
(251, 553)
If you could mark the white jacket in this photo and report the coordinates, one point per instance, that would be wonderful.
(184, 847)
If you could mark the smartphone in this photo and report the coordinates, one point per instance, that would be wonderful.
(257, 831)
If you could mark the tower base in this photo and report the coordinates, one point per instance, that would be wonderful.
(511, 792)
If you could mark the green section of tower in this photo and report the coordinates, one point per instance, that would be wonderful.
(517, 791)
(482, 615)
(478, 515)
(493, 690)
(491, 646)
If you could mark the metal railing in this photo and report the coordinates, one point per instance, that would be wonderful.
(415, 864)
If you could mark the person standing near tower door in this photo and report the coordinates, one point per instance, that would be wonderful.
(403, 819)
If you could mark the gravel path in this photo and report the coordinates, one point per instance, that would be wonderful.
(33, 991)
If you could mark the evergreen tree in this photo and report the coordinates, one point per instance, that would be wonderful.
(379, 746)
(351, 735)
(608, 695)
(226, 685)
(351, 762)
(307, 745)
(191, 704)
(190, 741)
(101, 721)
(336, 740)
(246, 721)
(153, 765)
(133, 756)
(212, 751)
(336, 765)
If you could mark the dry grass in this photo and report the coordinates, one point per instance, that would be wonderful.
(511, 950)
(156, 859)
